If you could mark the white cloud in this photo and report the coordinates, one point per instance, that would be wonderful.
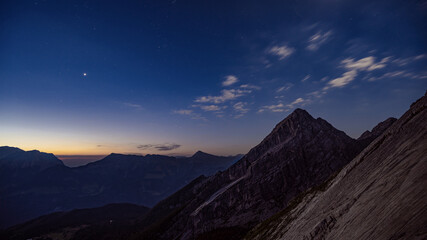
(280, 107)
(249, 86)
(133, 105)
(405, 61)
(318, 39)
(190, 113)
(306, 78)
(281, 51)
(286, 87)
(209, 108)
(226, 95)
(345, 79)
(240, 108)
(401, 74)
(298, 101)
(230, 80)
(183, 112)
(354, 67)
(274, 108)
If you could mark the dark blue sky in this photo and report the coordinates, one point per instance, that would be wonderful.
(172, 77)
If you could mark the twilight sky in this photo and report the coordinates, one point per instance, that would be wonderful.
(172, 77)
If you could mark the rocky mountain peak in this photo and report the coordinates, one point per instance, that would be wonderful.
(378, 129)
(200, 154)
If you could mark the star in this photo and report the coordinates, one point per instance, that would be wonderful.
(84, 74)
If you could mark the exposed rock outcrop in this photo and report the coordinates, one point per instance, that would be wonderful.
(381, 194)
(300, 152)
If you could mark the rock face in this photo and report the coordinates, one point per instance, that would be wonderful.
(300, 152)
(368, 136)
(381, 194)
(34, 183)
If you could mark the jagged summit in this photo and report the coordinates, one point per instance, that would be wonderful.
(378, 129)
(200, 154)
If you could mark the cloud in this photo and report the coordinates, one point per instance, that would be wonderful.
(210, 107)
(226, 95)
(133, 105)
(298, 101)
(240, 108)
(190, 113)
(281, 51)
(353, 68)
(229, 80)
(401, 74)
(306, 78)
(318, 39)
(280, 107)
(286, 87)
(249, 86)
(183, 112)
(159, 147)
(405, 61)
(274, 108)
(345, 79)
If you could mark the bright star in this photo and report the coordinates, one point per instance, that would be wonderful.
(84, 74)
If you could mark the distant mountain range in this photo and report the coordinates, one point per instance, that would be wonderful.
(305, 180)
(35, 183)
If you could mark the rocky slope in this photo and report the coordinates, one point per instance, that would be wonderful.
(300, 152)
(381, 194)
(34, 183)
(368, 136)
(75, 223)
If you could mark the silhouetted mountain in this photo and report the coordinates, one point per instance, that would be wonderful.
(300, 152)
(35, 183)
(13, 158)
(109, 217)
(381, 194)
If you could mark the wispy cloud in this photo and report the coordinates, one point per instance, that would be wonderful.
(249, 86)
(183, 112)
(318, 39)
(274, 108)
(298, 101)
(210, 108)
(281, 52)
(133, 105)
(286, 87)
(159, 147)
(405, 61)
(353, 68)
(400, 74)
(280, 107)
(306, 78)
(230, 80)
(240, 107)
(190, 113)
(226, 95)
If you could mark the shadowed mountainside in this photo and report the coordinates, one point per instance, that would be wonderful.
(378, 195)
(35, 183)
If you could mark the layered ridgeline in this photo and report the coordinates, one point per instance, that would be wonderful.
(34, 183)
(381, 194)
(301, 152)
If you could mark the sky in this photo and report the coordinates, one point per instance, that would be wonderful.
(82, 78)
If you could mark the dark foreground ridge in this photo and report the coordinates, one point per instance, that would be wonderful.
(299, 155)
(34, 183)
(379, 195)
